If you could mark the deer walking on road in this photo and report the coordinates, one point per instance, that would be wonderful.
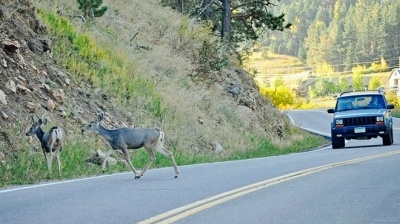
(51, 141)
(132, 138)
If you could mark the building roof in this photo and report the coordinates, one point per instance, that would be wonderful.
(395, 73)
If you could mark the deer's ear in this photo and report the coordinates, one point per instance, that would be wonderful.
(42, 121)
(100, 116)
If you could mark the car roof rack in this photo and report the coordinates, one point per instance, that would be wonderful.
(380, 91)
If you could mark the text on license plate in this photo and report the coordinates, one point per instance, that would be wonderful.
(359, 130)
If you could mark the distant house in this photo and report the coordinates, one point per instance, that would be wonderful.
(302, 90)
(394, 79)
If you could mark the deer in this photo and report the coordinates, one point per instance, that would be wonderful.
(131, 138)
(51, 141)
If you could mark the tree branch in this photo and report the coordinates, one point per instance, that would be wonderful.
(204, 9)
(268, 4)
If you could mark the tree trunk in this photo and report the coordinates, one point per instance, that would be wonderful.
(226, 20)
(182, 7)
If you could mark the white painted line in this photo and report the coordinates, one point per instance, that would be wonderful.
(56, 183)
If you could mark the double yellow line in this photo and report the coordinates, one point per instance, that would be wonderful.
(198, 206)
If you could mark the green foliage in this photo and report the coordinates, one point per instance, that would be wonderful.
(324, 86)
(325, 69)
(339, 32)
(396, 112)
(246, 21)
(212, 57)
(102, 67)
(92, 8)
(311, 92)
(342, 84)
(374, 83)
(391, 97)
(280, 95)
(358, 81)
(374, 68)
(359, 69)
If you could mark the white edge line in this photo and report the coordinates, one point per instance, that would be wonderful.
(56, 183)
(307, 129)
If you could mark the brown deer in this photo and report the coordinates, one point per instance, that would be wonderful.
(132, 138)
(51, 141)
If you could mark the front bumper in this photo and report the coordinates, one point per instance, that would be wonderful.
(371, 131)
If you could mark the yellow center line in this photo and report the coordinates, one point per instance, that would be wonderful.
(198, 206)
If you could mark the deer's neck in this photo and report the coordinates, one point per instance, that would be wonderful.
(39, 134)
(105, 133)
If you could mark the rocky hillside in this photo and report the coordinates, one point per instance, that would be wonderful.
(34, 83)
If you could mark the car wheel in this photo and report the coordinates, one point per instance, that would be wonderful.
(342, 143)
(388, 138)
(337, 143)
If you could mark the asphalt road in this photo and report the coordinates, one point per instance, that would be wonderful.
(356, 184)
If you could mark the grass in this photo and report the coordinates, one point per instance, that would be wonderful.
(396, 112)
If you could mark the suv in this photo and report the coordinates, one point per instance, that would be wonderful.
(361, 115)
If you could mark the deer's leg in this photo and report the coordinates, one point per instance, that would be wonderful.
(50, 160)
(148, 165)
(47, 157)
(58, 161)
(107, 154)
(170, 155)
(128, 159)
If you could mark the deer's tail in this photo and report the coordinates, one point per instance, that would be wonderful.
(161, 138)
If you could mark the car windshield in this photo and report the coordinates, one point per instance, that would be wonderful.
(360, 102)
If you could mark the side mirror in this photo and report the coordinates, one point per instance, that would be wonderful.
(390, 106)
(331, 111)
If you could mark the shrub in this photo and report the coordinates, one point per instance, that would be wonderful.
(92, 8)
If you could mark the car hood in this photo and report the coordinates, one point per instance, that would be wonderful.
(360, 113)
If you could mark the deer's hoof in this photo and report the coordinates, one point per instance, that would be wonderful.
(176, 176)
(137, 177)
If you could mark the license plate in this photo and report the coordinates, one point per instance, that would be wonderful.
(359, 130)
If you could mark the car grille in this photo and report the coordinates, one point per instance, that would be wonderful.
(355, 121)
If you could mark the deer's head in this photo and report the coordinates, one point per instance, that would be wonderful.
(94, 125)
(36, 124)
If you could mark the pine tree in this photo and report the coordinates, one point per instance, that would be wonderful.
(92, 8)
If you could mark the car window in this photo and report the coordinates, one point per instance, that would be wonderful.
(345, 103)
(360, 102)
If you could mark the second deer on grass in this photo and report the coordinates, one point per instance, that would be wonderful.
(132, 138)
(51, 141)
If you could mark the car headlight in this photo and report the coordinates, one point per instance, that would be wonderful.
(379, 120)
(339, 123)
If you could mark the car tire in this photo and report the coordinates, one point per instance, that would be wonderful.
(388, 138)
(337, 143)
(342, 142)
